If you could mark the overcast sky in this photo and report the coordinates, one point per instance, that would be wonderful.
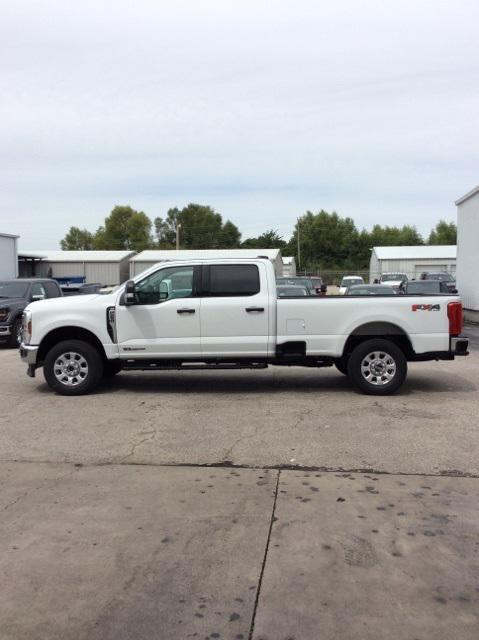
(260, 109)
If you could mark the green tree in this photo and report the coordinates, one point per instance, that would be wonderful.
(201, 227)
(124, 228)
(77, 240)
(443, 233)
(267, 240)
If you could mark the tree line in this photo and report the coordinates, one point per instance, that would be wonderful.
(319, 240)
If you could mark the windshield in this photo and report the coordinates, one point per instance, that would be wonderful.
(13, 289)
(347, 282)
(301, 282)
(393, 277)
(443, 277)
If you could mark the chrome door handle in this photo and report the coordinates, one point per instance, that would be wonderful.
(185, 311)
(253, 309)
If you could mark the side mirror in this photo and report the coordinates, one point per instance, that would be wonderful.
(130, 293)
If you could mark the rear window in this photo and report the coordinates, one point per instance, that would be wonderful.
(233, 280)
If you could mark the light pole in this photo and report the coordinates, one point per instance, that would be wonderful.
(178, 227)
(299, 247)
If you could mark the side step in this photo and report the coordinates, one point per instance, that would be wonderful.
(179, 366)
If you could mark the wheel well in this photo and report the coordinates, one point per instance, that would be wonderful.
(69, 333)
(386, 330)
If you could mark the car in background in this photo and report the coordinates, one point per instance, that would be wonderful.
(349, 281)
(425, 287)
(297, 281)
(319, 286)
(370, 290)
(15, 295)
(441, 276)
(81, 289)
(291, 291)
(393, 279)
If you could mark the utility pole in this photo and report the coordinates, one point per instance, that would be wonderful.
(178, 227)
(299, 247)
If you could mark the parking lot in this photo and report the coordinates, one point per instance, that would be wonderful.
(274, 505)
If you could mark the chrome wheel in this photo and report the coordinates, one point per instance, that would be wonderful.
(70, 368)
(378, 368)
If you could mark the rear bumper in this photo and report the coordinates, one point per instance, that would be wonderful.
(459, 346)
(29, 355)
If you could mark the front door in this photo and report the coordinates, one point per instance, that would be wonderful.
(165, 321)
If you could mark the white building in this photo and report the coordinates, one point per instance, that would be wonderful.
(412, 260)
(105, 267)
(289, 266)
(8, 256)
(147, 259)
(468, 252)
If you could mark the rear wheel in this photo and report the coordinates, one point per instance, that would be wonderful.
(73, 367)
(377, 367)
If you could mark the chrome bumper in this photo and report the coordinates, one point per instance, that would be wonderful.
(6, 331)
(29, 354)
(459, 346)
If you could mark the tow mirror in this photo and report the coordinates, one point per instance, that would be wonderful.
(130, 293)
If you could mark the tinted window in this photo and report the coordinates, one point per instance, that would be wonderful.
(52, 289)
(38, 290)
(233, 280)
(426, 286)
(13, 289)
(165, 284)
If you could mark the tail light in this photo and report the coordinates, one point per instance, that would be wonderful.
(454, 313)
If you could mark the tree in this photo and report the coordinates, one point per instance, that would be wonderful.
(267, 240)
(77, 240)
(124, 228)
(201, 228)
(443, 233)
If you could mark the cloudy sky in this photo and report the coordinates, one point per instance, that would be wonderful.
(261, 109)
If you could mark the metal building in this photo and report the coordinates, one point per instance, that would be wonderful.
(8, 256)
(105, 267)
(289, 266)
(147, 259)
(468, 252)
(412, 260)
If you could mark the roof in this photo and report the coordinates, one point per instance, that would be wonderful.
(200, 254)
(79, 256)
(427, 252)
(468, 195)
(8, 235)
(31, 256)
(288, 259)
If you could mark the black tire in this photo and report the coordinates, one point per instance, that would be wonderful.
(381, 375)
(15, 337)
(86, 368)
(342, 365)
(111, 368)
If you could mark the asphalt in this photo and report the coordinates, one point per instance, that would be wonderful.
(272, 505)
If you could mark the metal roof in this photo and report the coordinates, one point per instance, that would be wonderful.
(203, 254)
(79, 256)
(468, 195)
(8, 235)
(421, 252)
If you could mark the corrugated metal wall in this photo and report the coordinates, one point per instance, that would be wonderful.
(468, 252)
(8, 257)
(106, 273)
(412, 268)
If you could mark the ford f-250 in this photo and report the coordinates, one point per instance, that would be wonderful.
(219, 314)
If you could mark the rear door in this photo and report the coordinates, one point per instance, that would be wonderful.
(234, 310)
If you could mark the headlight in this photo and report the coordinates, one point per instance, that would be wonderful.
(4, 314)
(27, 326)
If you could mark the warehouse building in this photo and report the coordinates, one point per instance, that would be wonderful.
(412, 260)
(108, 268)
(147, 259)
(468, 252)
(289, 266)
(8, 256)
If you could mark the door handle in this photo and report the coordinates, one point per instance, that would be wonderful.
(185, 311)
(252, 309)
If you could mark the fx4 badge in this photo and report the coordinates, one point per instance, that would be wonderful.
(426, 307)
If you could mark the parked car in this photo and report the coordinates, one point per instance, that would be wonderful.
(229, 316)
(393, 279)
(370, 290)
(441, 276)
(81, 289)
(298, 281)
(15, 295)
(319, 286)
(425, 287)
(291, 291)
(349, 281)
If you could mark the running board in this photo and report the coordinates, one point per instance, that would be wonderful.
(154, 366)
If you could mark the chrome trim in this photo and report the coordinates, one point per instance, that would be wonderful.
(6, 331)
(28, 353)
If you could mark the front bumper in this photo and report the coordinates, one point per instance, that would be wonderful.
(29, 354)
(459, 346)
(5, 331)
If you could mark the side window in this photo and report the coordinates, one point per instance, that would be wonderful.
(38, 290)
(166, 284)
(233, 280)
(52, 289)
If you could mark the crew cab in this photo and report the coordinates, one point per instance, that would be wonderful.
(15, 295)
(219, 314)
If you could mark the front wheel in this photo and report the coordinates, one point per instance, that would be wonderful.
(377, 367)
(73, 368)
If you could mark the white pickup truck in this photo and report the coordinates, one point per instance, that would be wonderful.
(219, 314)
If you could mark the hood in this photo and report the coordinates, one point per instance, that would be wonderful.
(71, 302)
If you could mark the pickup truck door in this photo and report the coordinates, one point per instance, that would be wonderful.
(235, 310)
(165, 321)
